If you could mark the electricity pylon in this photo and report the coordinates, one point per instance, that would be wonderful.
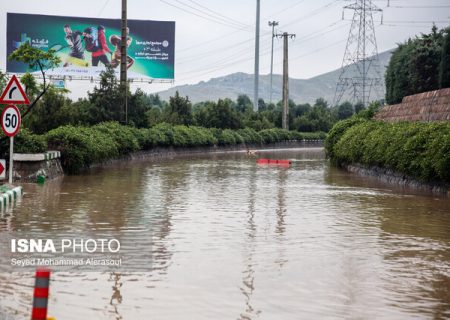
(360, 75)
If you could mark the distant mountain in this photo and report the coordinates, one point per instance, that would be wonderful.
(300, 90)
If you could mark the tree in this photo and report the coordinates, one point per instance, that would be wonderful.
(107, 99)
(35, 59)
(137, 106)
(344, 111)
(415, 66)
(3, 81)
(31, 85)
(444, 68)
(153, 116)
(243, 103)
(50, 112)
(300, 110)
(179, 110)
(424, 62)
(359, 107)
(218, 115)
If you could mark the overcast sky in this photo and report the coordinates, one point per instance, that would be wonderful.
(216, 37)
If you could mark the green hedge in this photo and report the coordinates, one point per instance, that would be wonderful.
(419, 150)
(82, 146)
(24, 142)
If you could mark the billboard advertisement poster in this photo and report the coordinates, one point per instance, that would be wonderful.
(86, 45)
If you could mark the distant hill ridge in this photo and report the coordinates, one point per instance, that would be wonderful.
(232, 85)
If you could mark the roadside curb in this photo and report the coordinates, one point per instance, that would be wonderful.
(8, 198)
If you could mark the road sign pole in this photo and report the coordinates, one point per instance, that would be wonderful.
(11, 151)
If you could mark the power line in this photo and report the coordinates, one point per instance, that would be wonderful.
(300, 19)
(103, 8)
(320, 32)
(219, 14)
(203, 17)
(284, 10)
(225, 20)
(320, 49)
(417, 7)
(311, 14)
(229, 47)
(407, 22)
(217, 64)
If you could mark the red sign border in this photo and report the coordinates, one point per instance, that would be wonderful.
(10, 83)
(3, 173)
(18, 125)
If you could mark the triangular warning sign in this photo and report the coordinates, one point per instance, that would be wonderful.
(14, 93)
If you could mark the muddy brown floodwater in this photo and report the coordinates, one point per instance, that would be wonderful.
(237, 240)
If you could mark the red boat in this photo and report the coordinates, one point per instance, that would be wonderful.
(274, 161)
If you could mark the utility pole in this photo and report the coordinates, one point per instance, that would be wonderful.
(123, 58)
(272, 24)
(285, 114)
(255, 97)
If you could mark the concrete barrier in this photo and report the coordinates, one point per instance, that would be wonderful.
(28, 167)
(9, 197)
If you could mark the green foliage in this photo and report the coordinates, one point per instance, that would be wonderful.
(52, 111)
(162, 135)
(30, 83)
(81, 146)
(219, 115)
(243, 103)
(138, 105)
(179, 110)
(317, 118)
(226, 137)
(419, 150)
(424, 62)
(24, 142)
(345, 110)
(415, 66)
(124, 136)
(371, 110)
(444, 68)
(3, 80)
(336, 133)
(35, 58)
(27, 142)
(107, 100)
(250, 136)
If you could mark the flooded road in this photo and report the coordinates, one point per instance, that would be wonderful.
(235, 240)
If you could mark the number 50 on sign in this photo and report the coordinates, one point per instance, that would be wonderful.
(10, 120)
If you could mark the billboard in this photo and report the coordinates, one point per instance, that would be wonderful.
(86, 45)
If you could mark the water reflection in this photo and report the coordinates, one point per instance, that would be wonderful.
(248, 279)
(281, 212)
(116, 297)
(229, 239)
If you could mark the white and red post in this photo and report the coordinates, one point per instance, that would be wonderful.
(40, 296)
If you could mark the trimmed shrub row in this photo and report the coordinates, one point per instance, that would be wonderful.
(419, 150)
(82, 146)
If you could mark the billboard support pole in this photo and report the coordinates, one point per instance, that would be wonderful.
(123, 58)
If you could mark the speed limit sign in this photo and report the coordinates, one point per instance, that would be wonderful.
(10, 120)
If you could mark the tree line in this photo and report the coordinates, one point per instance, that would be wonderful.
(418, 65)
(105, 103)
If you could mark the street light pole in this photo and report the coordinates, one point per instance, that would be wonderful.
(255, 97)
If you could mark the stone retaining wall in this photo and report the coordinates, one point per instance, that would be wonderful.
(390, 176)
(426, 106)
